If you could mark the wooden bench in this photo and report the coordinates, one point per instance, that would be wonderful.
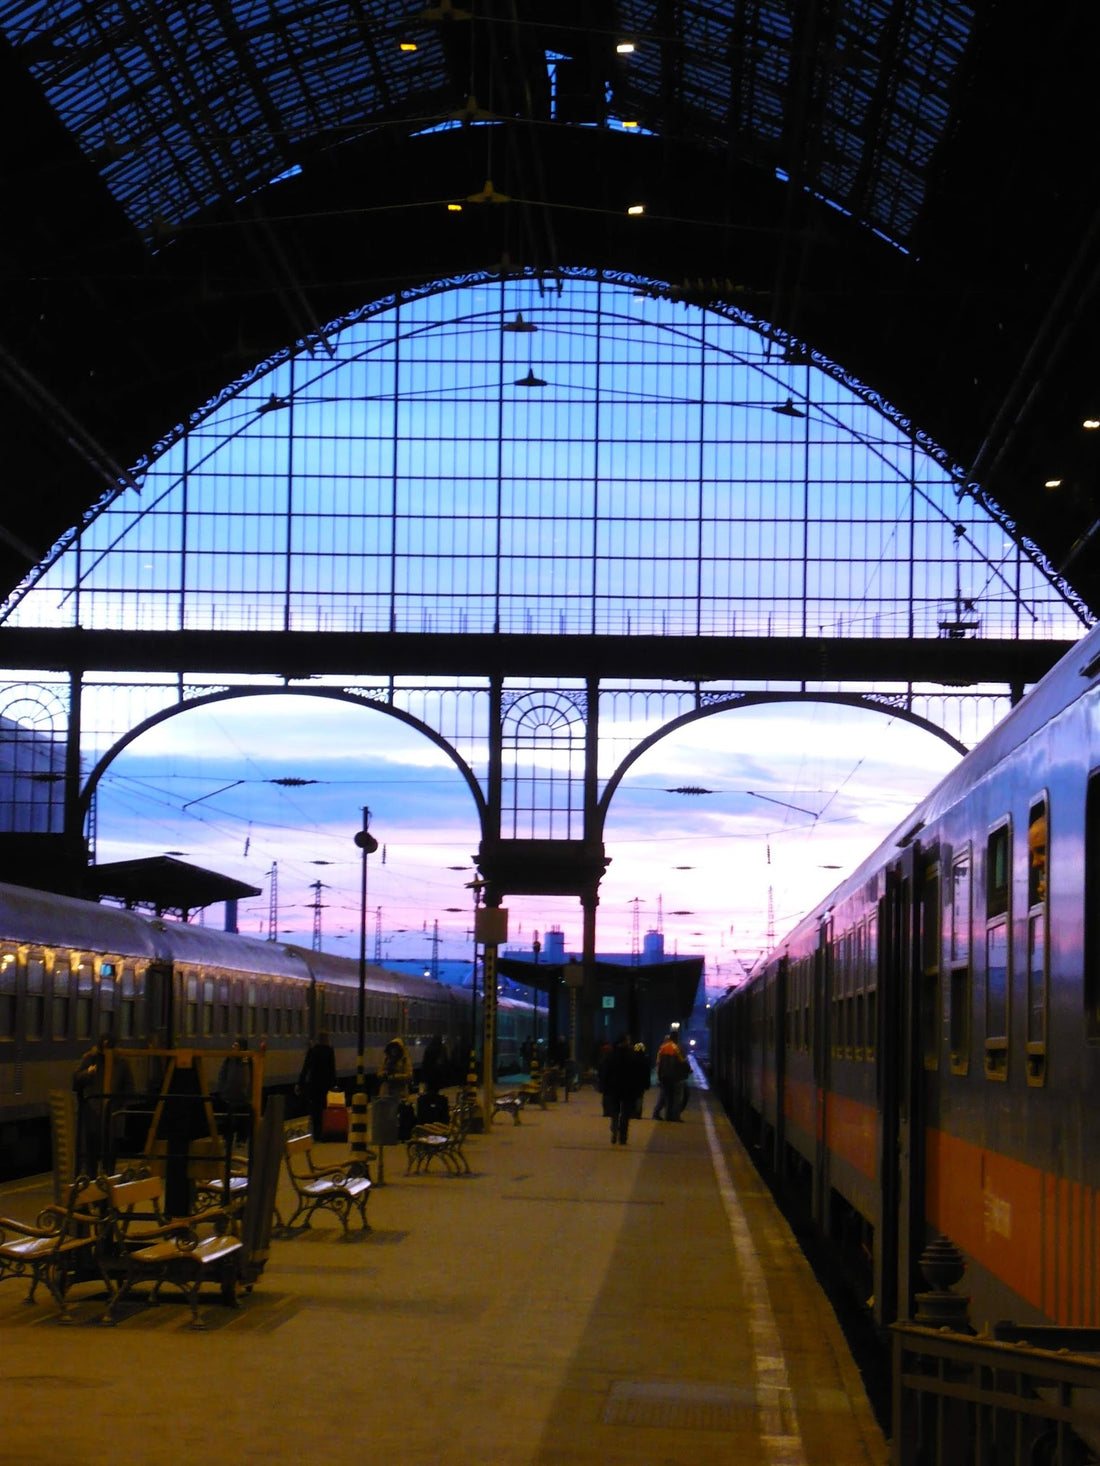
(443, 1142)
(324, 1188)
(221, 1191)
(508, 1104)
(141, 1246)
(62, 1248)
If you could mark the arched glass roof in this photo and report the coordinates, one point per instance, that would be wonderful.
(501, 458)
(182, 106)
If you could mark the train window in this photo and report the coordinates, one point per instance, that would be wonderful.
(126, 1024)
(958, 944)
(997, 871)
(1037, 942)
(996, 1000)
(998, 867)
(930, 965)
(807, 1010)
(871, 967)
(85, 988)
(34, 1014)
(191, 1006)
(59, 1021)
(106, 997)
(960, 909)
(857, 991)
(8, 966)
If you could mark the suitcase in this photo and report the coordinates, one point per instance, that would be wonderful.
(334, 1122)
(433, 1109)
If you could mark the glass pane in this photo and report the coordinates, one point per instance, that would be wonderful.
(1036, 979)
(1037, 854)
(996, 981)
(960, 910)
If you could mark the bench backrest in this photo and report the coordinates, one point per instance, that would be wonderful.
(299, 1148)
(140, 1200)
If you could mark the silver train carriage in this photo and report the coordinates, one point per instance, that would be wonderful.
(921, 1054)
(71, 970)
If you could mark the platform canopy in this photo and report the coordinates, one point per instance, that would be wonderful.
(164, 884)
(678, 978)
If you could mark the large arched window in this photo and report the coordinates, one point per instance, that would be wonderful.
(499, 457)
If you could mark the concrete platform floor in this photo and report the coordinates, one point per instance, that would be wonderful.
(572, 1303)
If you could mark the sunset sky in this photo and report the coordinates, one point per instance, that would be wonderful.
(798, 797)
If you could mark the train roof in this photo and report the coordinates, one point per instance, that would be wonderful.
(331, 967)
(49, 920)
(209, 947)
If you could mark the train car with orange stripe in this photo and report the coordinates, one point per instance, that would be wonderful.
(921, 1055)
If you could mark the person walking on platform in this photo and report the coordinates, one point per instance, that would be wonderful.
(624, 1078)
(318, 1076)
(671, 1072)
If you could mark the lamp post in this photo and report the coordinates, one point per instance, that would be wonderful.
(536, 948)
(368, 845)
(477, 885)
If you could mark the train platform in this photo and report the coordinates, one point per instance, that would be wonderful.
(570, 1303)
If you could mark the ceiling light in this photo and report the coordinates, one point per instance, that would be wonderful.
(788, 409)
(406, 45)
(1091, 422)
(519, 325)
(470, 112)
(454, 208)
(530, 380)
(636, 209)
(624, 48)
(443, 11)
(1052, 483)
(488, 195)
(628, 122)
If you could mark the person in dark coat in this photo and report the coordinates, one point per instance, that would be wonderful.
(433, 1065)
(624, 1078)
(318, 1076)
(99, 1110)
(232, 1094)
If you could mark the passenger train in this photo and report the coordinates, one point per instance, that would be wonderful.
(72, 970)
(921, 1054)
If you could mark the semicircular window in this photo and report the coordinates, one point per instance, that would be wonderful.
(594, 459)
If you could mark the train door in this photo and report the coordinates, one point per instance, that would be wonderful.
(900, 1080)
(822, 1038)
(158, 1004)
(779, 1049)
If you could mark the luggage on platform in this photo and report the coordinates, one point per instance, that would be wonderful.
(334, 1117)
(433, 1109)
(406, 1119)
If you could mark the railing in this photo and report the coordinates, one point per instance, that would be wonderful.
(960, 1400)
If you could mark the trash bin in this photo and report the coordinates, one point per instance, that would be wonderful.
(383, 1120)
